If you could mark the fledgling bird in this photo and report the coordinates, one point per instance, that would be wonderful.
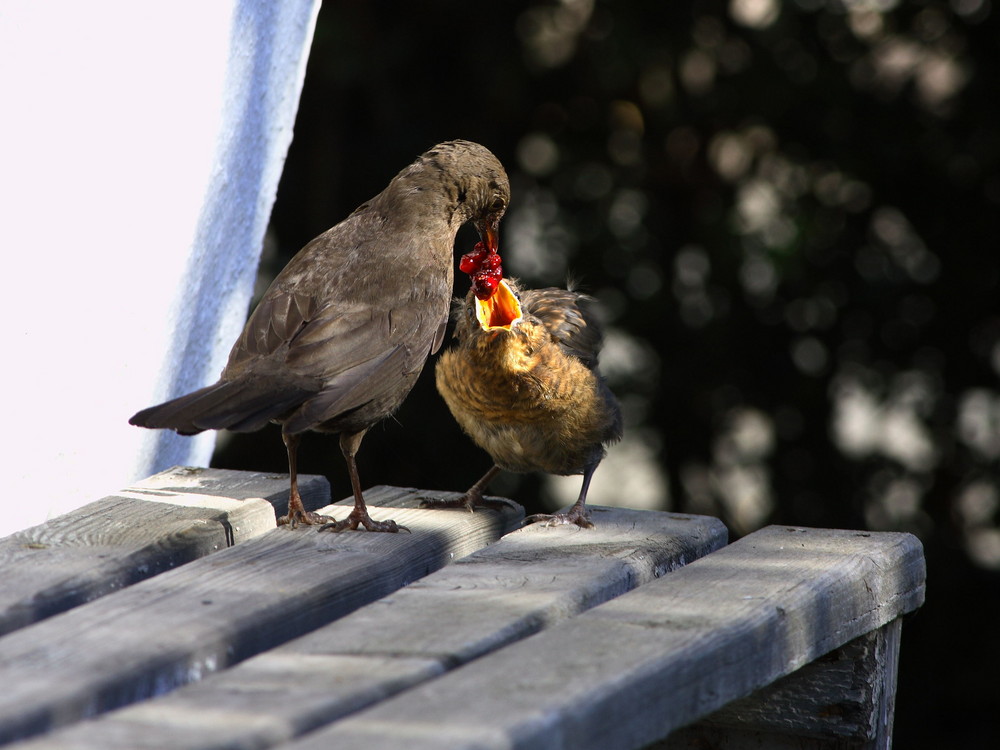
(523, 383)
(339, 338)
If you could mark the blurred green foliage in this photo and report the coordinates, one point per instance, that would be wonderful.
(789, 211)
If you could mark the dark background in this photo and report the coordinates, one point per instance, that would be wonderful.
(789, 211)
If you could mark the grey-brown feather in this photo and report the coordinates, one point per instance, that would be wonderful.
(569, 318)
(342, 333)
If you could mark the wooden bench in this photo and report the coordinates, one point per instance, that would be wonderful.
(174, 615)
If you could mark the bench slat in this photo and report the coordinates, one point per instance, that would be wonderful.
(844, 699)
(626, 673)
(164, 521)
(528, 580)
(176, 627)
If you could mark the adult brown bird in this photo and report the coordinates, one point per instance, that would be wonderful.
(523, 382)
(339, 338)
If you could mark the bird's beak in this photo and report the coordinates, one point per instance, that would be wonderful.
(489, 232)
(500, 311)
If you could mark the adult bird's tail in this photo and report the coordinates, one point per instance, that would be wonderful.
(237, 405)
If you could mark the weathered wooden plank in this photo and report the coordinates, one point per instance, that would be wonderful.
(844, 699)
(529, 580)
(177, 627)
(630, 671)
(166, 520)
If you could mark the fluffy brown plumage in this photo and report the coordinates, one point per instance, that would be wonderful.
(342, 333)
(523, 383)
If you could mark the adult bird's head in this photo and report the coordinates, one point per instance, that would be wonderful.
(477, 184)
(488, 224)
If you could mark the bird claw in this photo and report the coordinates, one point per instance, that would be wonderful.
(305, 517)
(561, 519)
(470, 502)
(353, 521)
(435, 503)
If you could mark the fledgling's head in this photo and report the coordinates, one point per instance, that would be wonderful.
(498, 326)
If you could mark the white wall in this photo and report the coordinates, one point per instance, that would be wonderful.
(140, 150)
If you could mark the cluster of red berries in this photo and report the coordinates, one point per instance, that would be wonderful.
(483, 266)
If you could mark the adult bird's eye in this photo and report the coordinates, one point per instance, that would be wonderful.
(497, 205)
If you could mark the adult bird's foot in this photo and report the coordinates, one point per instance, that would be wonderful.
(363, 519)
(573, 517)
(305, 517)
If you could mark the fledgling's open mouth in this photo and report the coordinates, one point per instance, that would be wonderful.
(500, 311)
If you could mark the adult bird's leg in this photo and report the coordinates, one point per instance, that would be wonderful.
(473, 498)
(349, 444)
(297, 512)
(577, 514)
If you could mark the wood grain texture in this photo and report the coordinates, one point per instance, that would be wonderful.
(844, 699)
(529, 580)
(630, 671)
(183, 624)
(164, 521)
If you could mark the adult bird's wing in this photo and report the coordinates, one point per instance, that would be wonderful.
(346, 354)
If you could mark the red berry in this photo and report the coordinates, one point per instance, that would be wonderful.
(473, 261)
(467, 264)
(470, 263)
(492, 262)
(484, 285)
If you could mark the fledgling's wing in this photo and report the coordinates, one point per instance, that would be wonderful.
(568, 317)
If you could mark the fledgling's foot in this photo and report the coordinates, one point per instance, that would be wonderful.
(573, 517)
(470, 501)
(305, 517)
(356, 519)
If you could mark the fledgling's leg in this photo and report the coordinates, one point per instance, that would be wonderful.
(473, 497)
(577, 514)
